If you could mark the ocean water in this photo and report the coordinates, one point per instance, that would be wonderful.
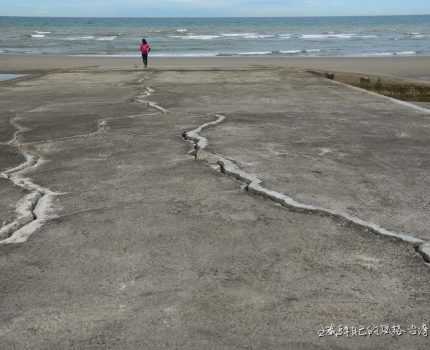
(4, 77)
(199, 37)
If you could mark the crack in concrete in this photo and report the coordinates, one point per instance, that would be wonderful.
(33, 209)
(143, 98)
(102, 126)
(254, 185)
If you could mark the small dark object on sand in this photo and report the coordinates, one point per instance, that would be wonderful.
(196, 151)
(329, 76)
(184, 135)
(221, 166)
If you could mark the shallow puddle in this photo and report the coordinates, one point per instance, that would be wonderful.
(4, 77)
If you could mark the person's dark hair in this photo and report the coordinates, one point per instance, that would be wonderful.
(144, 42)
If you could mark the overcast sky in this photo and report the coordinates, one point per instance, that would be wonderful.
(196, 8)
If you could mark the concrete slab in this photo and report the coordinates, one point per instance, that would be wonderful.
(152, 250)
(326, 145)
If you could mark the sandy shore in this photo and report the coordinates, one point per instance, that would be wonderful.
(124, 241)
(404, 67)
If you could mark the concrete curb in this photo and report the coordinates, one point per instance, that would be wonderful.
(372, 93)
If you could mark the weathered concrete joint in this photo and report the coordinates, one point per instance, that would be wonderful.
(253, 184)
(25, 211)
(424, 250)
(196, 151)
(143, 99)
(221, 166)
(32, 209)
(194, 135)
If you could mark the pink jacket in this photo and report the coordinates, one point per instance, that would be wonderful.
(145, 48)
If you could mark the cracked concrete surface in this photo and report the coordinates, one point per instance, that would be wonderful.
(152, 250)
(33, 209)
(343, 150)
(254, 185)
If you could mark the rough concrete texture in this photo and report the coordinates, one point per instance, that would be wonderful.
(150, 249)
(326, 145)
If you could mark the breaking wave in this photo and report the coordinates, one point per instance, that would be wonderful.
(280, 36)
(89, 37)
(343, 36)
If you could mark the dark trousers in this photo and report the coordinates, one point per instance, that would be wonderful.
(145, 59)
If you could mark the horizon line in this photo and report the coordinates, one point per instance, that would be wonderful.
(191, 17)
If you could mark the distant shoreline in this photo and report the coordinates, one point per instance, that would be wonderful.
(414, 67)
(206, 56)
(286, 55)
(217, 17)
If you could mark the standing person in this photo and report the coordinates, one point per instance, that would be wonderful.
(145, 49)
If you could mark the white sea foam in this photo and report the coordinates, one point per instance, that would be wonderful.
(255, 53)
(107, 38)
(297, 52)
(248, 35)
(405, 53)
(80, 38)
(239, 35)
(91, 37)
(201, 37)
(181, 30)
(235, 35)
(336, 36)
(38, 36)
(195, 37)
(399, 53)
(326, 36)
(378, 54)
(290, 52)
(40, 32)
(259, 36)
(284, 36)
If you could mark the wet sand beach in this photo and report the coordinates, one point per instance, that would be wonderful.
(414, 67)
(307, 205)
